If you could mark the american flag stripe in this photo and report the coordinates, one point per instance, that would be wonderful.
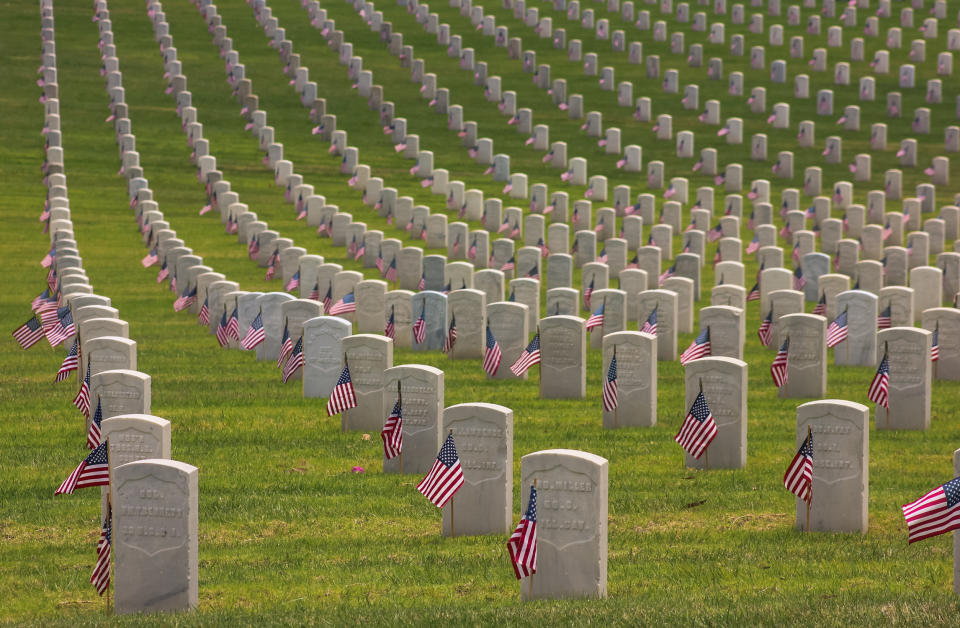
(879, 387)
(778, 370)
(94, 436)
(610, 398)
(29, 334)
(799, 476)
(529, 357)
(92, 471)
(82, 399)
(255, 335)
(451, 338)
(70, 363)
(837, 330)
(233, 326)
(420, 330)
(295, 362)
(698, 429)
(699, 348)
(100, 578)
(492, 355)
(522, 545)
(935, 513)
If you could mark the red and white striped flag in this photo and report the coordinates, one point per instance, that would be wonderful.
(451, 338)
(698, 429)
(522, 545)
(29, 334)
(392, 433)
(880, 386)
(529, 357)
(700, 347)
(295, 362)
(610, 396)
(935, 513)
(492, 355)
(778, 370)
(343, 396)
(82, 400)
(100, 578)
(799, 476)
(70, 363)
(92, 471)
(445, 477)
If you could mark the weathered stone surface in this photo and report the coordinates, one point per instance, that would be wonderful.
(806, 355)
(422, 391)
(323, 354)
(724, 384)
(908, 351)
(563, 357)
(636, 379)
(368, 356)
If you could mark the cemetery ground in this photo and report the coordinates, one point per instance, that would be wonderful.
(289, 533)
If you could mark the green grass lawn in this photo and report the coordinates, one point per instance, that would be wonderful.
(288, 535)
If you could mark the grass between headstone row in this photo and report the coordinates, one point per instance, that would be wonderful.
(288, 534)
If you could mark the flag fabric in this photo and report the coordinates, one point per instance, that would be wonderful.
(935, 345)
(343, 396)
(799, 476)
(93, 433)
(596, 319)
(837, 330)
(233, 325)
(765, 332)
(821, 307)
(328, 299)
(82, 400)
(100, 578)
(286, 345)
(423, 282)
(451, 338)
(295, 362)
(754, 294)
(799, 281)
(753, 246)
(185, 300)
(255, 335)
(667, 274)
(294, 282)
(92, 471)
(880, 385)
(446, 476)
(492, 355)
(650, 325)
(315, 292)
(883, 320)
(204, 314)
(63, 329)
(510, 265)
(392, 433)
(529, 357)
(935, 513)
(420, 328)
(778, 370)
(610, 398)
(390, 330)
(698, 429)
(522, 545)
(699, 348)
(391, 273)
(70, 363)
(345, 305)
(29, 334)
(271, 266)
(222, 334)
(587, 293)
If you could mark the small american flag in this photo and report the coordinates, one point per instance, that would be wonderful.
(150, 259)
(328, 299)
(522, 545)
(188, 298)
(650, 325)
(587, 293)
(390, 331)
(510, 265)
(698, 429)
(204, 314)
(699, 348)
(799, 476)
(596, 319)
(837, 331)
(445, 478)
(163, 273)
(529, 357)
(92, 471)
(379, 263)
(345, 305)
(391, 274)
(472, 251)
(754, 294)
(420, 328)
(392, 433)
(343, 396)
(295, 361)
(447, 288)
(233, 325)
(821, 308)
(715, 234)
(667, 274)
(222, 336)
(778, 370)
(935, 346)
(603, 257)
(766, 329)
(799, 281)
(82, 400)
(315, 292)
(753, 246)
(272, 265)
(286, 345)
(880, 385)
(451, 339)
(255, 335)
(30, 333)
(100, 578)
(94, 436)
(63, 329)
(70, 363)
(254, 248)
(935, 513)
(423, 282)
(294, 282)
(492, 355)
(883, 321)
(610, 398)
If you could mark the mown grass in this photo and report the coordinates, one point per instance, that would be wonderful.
(288, 533)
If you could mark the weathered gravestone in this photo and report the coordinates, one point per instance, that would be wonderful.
(724, 384)
(433, 306)
(483, 433)
(636, 378)
(908, 354)
(508, 322)
(120, 392)
(841, 465)
(469, 309)
(368, 357)
(155, 536)
(323, 354)
(806, 355)
(571, 523)
(946, 321)
(563, 357)
(421, 391)
(860, 347)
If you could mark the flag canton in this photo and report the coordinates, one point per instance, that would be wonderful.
(298, 348)
(807, 448)
(344, 377)
(700, 411)
(841, 321)
(448, 453)
(98, 415)
(98, 455)
(704, 336)
(612, 371)
(491, 341)
(884, 367)
(534, 344)
(531, 514)
(257, 322)
(107, 532)
(951, 491)
(33, 325)
(652, 319)
(396, 410)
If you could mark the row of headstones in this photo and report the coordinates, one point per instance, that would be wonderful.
(123, 396)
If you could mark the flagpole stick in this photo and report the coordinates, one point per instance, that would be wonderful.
(400, 401)
(810, 495)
